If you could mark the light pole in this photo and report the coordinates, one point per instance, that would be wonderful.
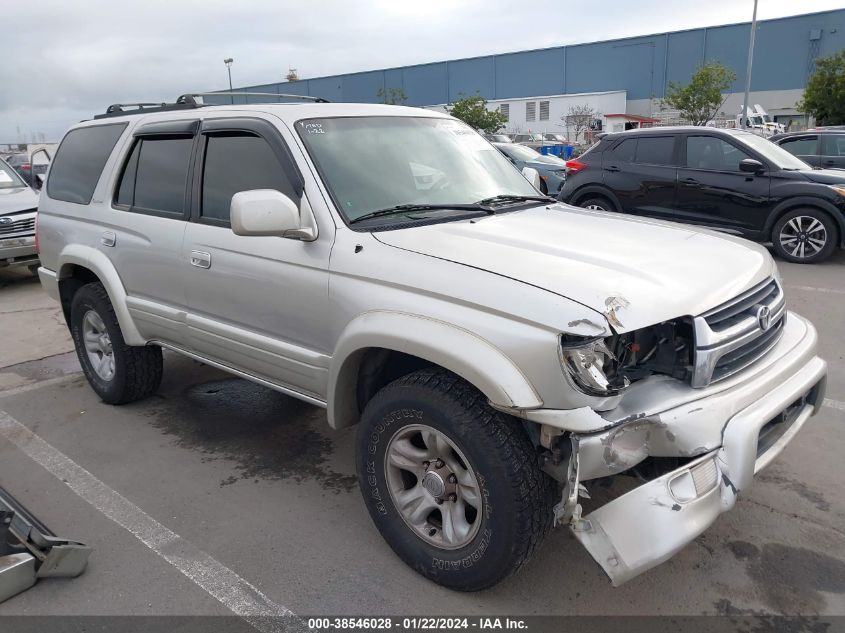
(228, 61)
(748, 68)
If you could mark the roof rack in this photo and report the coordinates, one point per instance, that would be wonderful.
(189, 101)
(235, 93)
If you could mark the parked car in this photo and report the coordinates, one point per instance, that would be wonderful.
(18, 204)
(498, 138)
(30, 169)
(496, 350)
(556, 138)
(552, 170)
(820, 148)
(730, 180)
(533, 141)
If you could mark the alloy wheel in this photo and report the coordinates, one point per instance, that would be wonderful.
(433, 487)
(803, 236)
(98, 347)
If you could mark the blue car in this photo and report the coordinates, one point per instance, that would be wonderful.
(552, 169)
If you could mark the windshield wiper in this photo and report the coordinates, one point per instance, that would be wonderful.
(404, 208)
(506, 197)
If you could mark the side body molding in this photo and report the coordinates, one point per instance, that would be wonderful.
(473, 358)
(100, 265)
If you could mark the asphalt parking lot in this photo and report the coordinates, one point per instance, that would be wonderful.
(217, 494)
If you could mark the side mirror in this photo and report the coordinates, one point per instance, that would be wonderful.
(532, 176)
(267, 212)
(751, 166)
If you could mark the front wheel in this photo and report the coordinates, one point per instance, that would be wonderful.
(452, 484)
(804, 236)
(596, 203)
(118, 373)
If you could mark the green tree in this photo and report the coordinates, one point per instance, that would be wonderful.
(824, 96)
(392, 96)
(473, 111)
(701, 98)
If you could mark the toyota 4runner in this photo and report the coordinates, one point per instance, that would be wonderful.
(499, 352)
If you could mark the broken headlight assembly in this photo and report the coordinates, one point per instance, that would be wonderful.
(591, 365)
(606, 366)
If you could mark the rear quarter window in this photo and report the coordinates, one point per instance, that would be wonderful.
(80, 160)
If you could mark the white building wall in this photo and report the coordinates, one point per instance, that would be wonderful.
(601, 102)
(775, 102)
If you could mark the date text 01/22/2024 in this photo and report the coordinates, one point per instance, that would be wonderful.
(416, 623)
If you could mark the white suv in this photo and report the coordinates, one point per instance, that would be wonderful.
(498, 351)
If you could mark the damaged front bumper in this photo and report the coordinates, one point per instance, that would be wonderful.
(724, 438)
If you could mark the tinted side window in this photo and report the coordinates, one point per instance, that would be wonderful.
(803, 146)
(80, 160)
(709, 152)
(833, 144)
(625, 151)
(655, 150)
(238, 162)
(156, 175)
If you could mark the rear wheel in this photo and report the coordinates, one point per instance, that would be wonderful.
(434, 460)
(596, 203)
(804, 236)
(118, 372)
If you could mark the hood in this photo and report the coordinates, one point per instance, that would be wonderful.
(637, 272)
(826, 176)
(17, 199)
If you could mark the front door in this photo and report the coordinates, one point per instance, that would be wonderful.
(712, 190)
(258, 304)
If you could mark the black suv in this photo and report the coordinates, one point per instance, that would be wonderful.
(820, 147)
(730, 180)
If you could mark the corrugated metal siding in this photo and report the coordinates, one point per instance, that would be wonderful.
(639, 65)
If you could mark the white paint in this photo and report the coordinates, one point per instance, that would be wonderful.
(834, 404)
(833, 291)
(223, 584)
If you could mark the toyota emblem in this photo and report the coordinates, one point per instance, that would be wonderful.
(764, 317)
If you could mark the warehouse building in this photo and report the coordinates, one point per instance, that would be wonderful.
(628, 76)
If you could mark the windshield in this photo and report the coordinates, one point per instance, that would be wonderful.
(9, 178)
(374, 163)
(773, 153)
(555, 137)
(519, 152)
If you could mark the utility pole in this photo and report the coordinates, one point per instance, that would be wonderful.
(228, 61)
(748, 68)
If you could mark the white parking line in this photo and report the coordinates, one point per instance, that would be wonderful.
(834, 404)
(833, 291)
(223, 584)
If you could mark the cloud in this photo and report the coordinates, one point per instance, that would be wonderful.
(72, 59)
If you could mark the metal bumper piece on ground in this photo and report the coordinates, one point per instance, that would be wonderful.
(29, 550)
(651, 523)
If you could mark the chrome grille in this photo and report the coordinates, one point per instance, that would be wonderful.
(731, 336)
(27, 225)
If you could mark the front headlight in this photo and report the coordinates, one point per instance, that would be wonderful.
(591, 366)
(840, 189)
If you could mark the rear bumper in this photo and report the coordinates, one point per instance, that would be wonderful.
(651, 523)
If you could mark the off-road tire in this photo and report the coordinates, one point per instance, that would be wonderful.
(518, 496)
(137, 371)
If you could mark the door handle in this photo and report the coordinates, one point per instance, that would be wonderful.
(108, 238)
(829, 162)
(691, 182)
(611, 168)
(200, 259)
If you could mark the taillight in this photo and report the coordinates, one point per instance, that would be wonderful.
(37, 245)
(26, 166)
(574, 166)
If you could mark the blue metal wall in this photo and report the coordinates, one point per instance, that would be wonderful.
(641, 65)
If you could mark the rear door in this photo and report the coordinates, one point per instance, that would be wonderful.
(712, 190)
(832, 151)
(258, 304)
(642, 172)
(805, 147)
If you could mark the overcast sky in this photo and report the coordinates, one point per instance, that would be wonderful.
(65, 60)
